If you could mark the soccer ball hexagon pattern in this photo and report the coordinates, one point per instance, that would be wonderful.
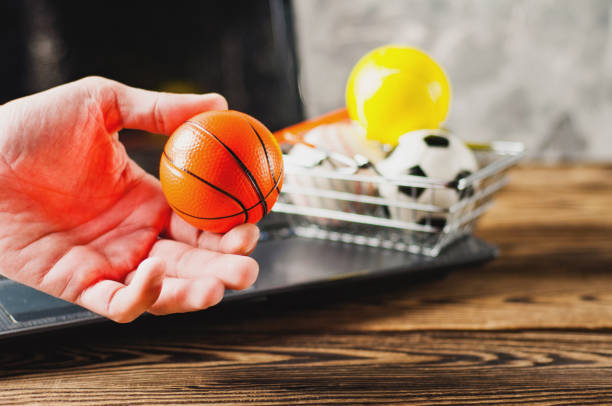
(432, 154)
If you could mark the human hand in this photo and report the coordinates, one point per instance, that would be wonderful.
(83, 222)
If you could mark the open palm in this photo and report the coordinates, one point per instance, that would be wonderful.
(81, 221)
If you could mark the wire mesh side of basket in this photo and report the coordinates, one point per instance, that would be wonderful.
(331, 205)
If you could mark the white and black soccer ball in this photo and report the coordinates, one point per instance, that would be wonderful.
(432, 154)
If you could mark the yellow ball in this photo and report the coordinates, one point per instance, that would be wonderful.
(394, 89)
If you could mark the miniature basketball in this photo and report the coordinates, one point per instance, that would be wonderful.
(220, 169)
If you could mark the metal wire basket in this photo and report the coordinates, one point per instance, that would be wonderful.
(330, 204)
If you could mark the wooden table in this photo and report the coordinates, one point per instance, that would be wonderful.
(530, 327)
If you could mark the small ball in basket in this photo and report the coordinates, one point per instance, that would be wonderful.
(346, 138)
(221, 169)
(432, 154)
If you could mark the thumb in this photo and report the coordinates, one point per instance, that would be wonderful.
(161, 113)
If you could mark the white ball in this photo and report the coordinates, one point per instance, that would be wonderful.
(346, 138)
(432, 154)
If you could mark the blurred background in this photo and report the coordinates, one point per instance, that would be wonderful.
(536, 71)
(242, 49)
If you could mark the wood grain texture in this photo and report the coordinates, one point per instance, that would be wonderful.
(531, 327)
(447, 367)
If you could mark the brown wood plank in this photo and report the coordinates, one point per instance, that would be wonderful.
(447, 367)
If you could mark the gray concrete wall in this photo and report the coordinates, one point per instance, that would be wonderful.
(536, 71)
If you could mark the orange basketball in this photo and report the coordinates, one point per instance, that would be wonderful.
(220, 169)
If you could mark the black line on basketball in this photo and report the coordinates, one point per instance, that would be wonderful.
(265, 151)
(204, 218)
(275, 187)
(244, 209)
(230, 215)
(242, 165)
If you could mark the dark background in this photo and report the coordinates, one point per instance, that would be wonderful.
(243, 49)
